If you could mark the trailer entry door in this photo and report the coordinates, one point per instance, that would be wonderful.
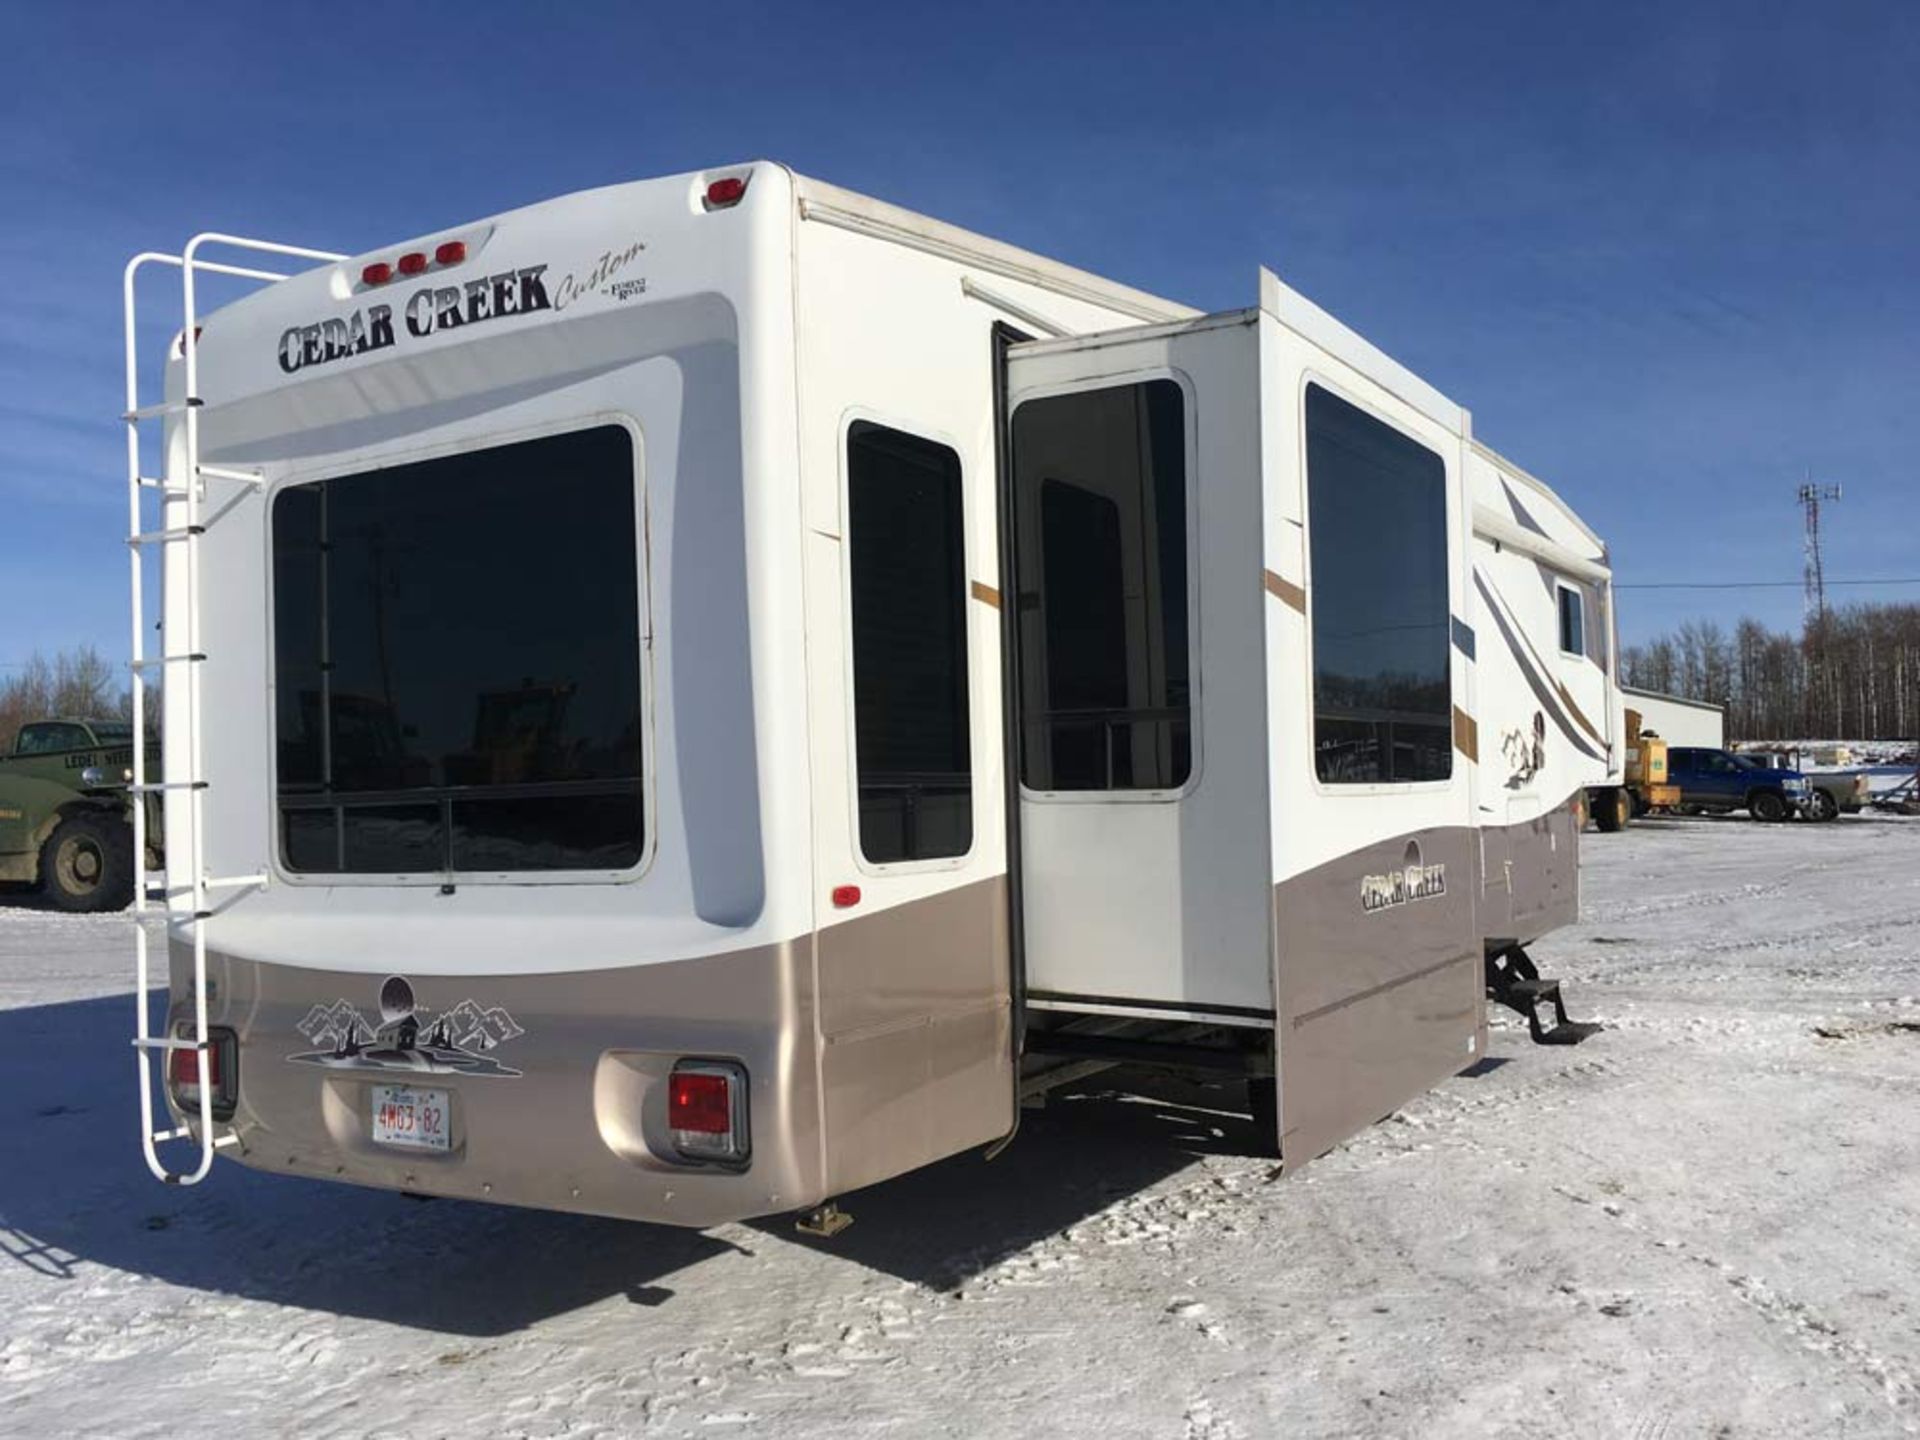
(1133, 496)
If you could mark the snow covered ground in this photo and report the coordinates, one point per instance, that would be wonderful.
(1704, 1222)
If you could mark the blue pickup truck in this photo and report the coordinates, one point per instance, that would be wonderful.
(1716, 782)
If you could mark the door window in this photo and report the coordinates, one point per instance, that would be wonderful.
(1100, 542)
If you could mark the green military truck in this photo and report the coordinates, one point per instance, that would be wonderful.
(64, 824)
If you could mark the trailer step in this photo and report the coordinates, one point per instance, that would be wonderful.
(1514, 981)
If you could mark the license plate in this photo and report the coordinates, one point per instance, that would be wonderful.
(411, 1119)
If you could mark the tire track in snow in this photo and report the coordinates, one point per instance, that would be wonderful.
(1896, 1384)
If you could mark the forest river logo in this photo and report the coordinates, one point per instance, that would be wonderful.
(1413, 881)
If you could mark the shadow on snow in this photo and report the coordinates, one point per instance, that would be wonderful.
(75, 1193)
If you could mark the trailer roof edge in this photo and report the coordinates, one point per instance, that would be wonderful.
(849, 210)
(1317, 327)
(1534, 482)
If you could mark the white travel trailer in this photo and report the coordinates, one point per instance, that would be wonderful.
(694, 697)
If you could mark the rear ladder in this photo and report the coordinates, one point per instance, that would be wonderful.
(181, 529)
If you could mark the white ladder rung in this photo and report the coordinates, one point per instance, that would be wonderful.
(154, 662)
(224, 472)
(182, 1133)
(163, 537)
(165, 1042)
(256, 881)
(163, 407)
(158, 482)
(154, 787)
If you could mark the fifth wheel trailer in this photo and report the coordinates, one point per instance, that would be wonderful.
(690, 698)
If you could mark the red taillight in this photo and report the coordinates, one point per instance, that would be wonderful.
(378, 273)
(845, 896)
(722, 193)
(451, 252)
(707, 1110)
(701, 1103)
(223, 1081)
(414, 262)
(183, 1068)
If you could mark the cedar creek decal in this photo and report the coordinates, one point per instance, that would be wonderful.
(436, 307)
(449, 307)
(1413, 881)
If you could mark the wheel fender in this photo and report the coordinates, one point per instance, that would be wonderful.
(67, 811)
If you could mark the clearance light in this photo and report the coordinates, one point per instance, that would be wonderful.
(707, 1110)
(414, 262)
(846, 896)
(722, 193)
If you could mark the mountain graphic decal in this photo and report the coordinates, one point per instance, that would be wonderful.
(409, 1038)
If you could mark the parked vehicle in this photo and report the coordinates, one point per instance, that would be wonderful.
(1830, 793)
(1646, 781)
(63, 812)
(1717, 782)
(835, 591)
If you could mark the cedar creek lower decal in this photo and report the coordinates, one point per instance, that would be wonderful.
(1413, 881)
(447, 1042)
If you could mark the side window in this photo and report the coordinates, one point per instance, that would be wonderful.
(1100, 497)
(1377, 526)
(49, 739)
(1572, 620)
(907, 561)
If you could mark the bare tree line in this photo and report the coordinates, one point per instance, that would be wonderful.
(1853, 675)
(77, 684)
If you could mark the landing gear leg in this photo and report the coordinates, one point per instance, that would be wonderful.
(823, 1221)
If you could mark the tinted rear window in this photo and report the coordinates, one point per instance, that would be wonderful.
(457, 662)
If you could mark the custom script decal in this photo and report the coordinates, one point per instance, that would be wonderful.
(446, 1042)
(1413, 881)
(572, 287)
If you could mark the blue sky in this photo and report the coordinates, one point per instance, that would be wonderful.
(1668, 255)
